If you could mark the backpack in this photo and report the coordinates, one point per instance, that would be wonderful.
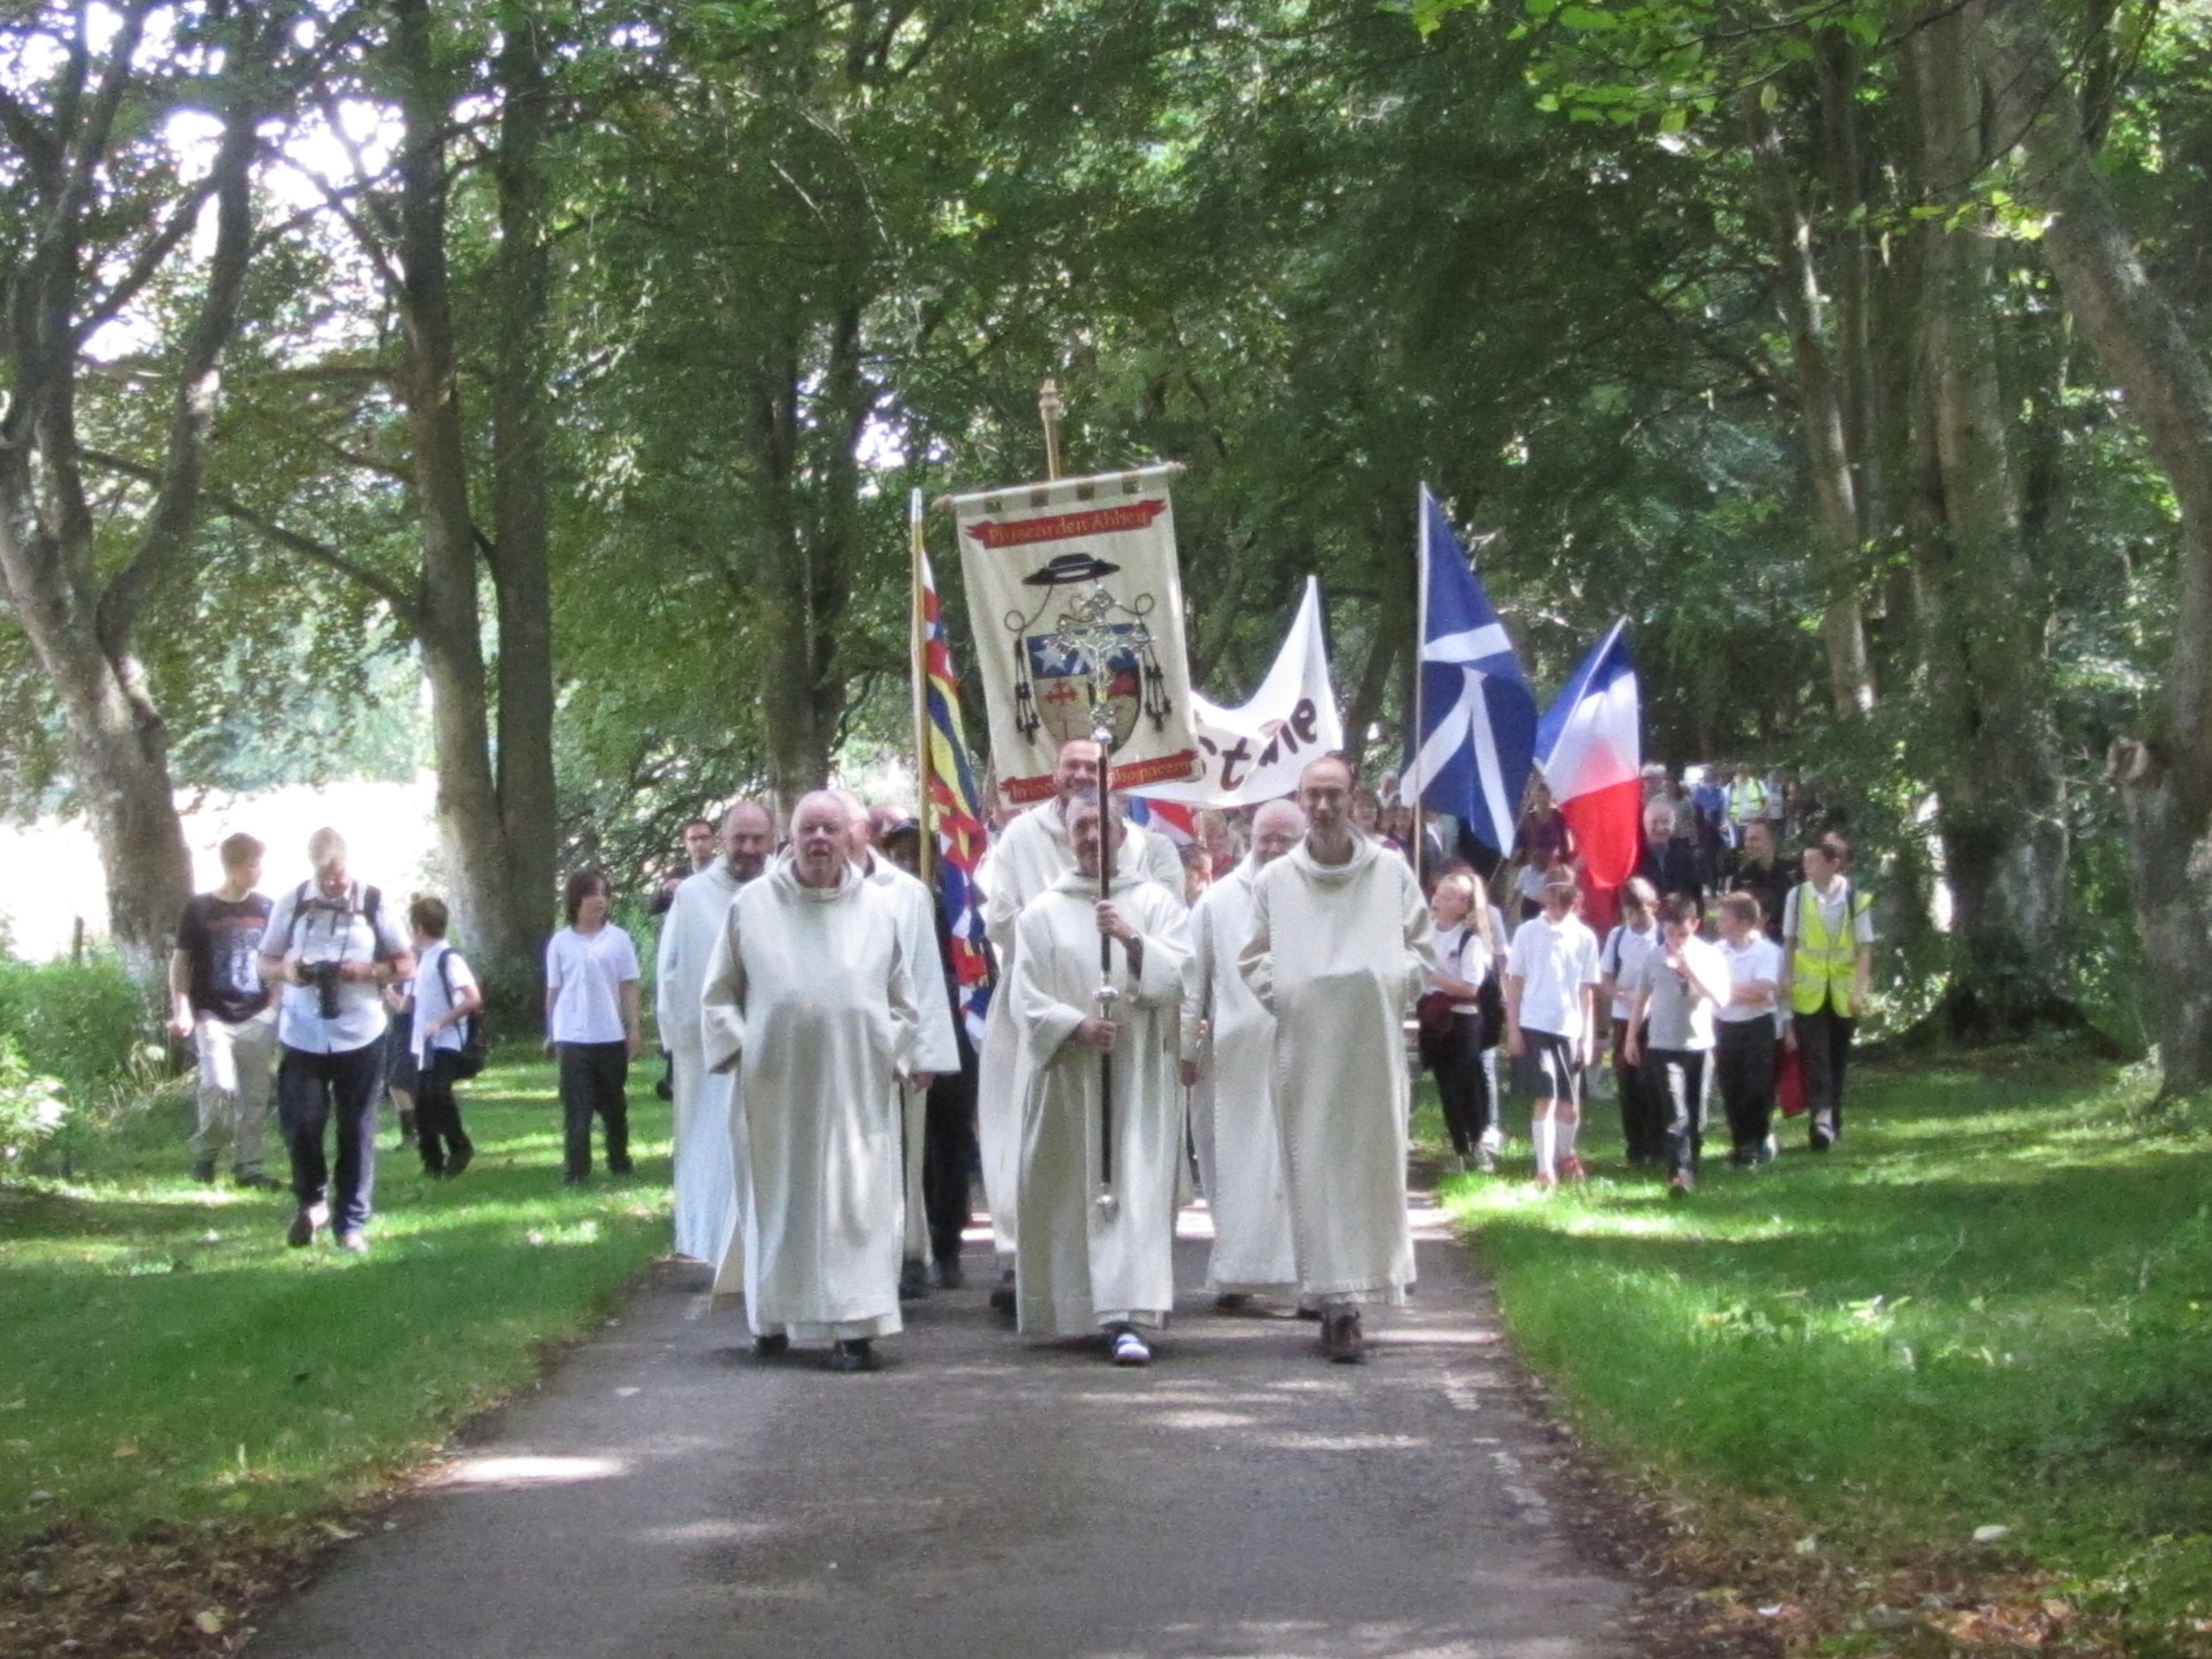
(476, 1038)
(372, 906)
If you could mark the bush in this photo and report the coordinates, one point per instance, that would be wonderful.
(84, 1023)
(31, 1106)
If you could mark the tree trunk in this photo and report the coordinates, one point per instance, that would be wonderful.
(2165, 776)
(520, 553)
(81, 631)
(2000, 806)
(1821, 421)
(475, 840)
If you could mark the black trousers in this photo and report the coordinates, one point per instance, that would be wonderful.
(1824, 1044)
(593, 1077)
(438, 1131)
(1462, 1084)
(1643, 1105)
(313, 1092)
(1677, 1077)
(948, 1158)
(1746, 1085)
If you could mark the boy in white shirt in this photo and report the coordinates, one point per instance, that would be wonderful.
(1747, 1019)
(446, 997)
(1551, 985)
(1671, 1030)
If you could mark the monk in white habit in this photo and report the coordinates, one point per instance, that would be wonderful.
(1229, 1063)
(706, 1177)
(1340, 947)
(936, 1051)
(1084, 1264)
(808, 999)
(1030, 854)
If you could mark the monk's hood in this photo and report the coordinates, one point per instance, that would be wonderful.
(1364, 852)
(784, 874)
(1087, 887)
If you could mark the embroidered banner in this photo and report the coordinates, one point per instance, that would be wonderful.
(1063, 577)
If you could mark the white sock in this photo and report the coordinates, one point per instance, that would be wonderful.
(1563, 1132)
(1539, 1131)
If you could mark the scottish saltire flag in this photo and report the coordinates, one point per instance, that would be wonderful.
(957, 812)
(1477, 723)
(1591, 749)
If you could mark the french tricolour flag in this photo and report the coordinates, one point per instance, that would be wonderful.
(1590, 749)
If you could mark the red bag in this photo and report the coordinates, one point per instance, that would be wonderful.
(1789, 1080)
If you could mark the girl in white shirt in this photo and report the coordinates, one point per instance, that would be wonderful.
(591, 1024)
(1466, 951)
(1747, 1030)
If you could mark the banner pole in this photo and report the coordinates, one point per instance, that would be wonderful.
(919, 650)
(1049, 409)
(1420, 638)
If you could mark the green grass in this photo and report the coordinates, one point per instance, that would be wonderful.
(1993, 1307)
(164, 1357)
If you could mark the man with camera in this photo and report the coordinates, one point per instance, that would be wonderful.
(334, 946)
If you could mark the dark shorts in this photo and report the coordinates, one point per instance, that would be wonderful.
(1547, 1070)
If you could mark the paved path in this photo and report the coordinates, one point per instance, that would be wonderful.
(667, 1497)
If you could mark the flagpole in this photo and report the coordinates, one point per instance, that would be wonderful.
(919, 650)
(1420, 637)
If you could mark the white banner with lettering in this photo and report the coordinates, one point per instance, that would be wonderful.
(1255, 753)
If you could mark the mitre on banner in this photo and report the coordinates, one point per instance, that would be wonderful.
(1059, 575)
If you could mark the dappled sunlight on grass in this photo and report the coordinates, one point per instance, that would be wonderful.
(167, 1357)
(1989, 1306)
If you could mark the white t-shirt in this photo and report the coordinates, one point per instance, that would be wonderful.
(1677, 1018)
(585, 973)
(431, 1003)
(1757, 959)
(1461, 953)
(1552, 961)
(1625, 949)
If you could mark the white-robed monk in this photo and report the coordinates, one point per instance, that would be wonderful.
(1229, 1062)
(808, 997)
(1083, 1266)
(706, 1197)
(1340, 947)
(1030, 854)
(936, 1051)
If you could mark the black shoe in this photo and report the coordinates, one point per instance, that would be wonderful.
(302, 1232)
(203, 1171)
(1311, 1314)
(1822, 1141)
(771, 1346)
(433, 1171)
(913, 1279)
(1232, 1302)
(854, 1353)
(576, 1180)
(949, 1274)
(623, 1168)
(1341, 1343)
(254, 1180)
(665, 1089)
(461, 1159)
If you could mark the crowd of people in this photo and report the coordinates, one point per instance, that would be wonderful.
(1259, 1001)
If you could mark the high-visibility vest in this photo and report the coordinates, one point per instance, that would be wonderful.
(1827, 963)
(1746, 799)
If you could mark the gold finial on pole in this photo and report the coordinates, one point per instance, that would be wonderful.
(1049, 409)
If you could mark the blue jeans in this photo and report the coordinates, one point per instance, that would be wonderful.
(312, 1091)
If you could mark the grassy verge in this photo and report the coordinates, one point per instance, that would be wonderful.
(1949, 1387)
(170, 1369)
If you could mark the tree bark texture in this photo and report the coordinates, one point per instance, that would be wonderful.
(2165, 775)
(486, 904)
(2000, 799)
(520, 551)
(83, 631)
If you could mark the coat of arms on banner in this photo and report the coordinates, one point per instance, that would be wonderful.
(1064, 579)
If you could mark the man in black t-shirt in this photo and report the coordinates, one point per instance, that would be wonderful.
(218, 1000)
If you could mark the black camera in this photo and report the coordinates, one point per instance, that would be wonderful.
(325, 978)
